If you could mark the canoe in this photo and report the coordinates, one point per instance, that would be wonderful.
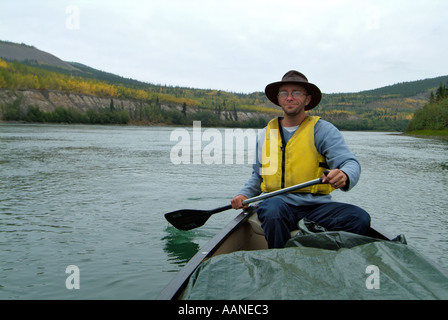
(243, 233)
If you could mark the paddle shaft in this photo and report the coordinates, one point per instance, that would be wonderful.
(190, 219)
(270, 195)
(282, 191)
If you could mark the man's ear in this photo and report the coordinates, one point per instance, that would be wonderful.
(308, 99)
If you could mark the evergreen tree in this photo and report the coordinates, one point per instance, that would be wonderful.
(184, 109)
(432, 98)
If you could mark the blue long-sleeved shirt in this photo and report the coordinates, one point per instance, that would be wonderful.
(330, 143)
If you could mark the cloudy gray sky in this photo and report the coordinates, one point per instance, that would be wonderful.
(240, 45)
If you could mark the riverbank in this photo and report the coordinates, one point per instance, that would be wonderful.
(437, 134)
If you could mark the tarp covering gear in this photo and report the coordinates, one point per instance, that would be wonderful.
(319, 264)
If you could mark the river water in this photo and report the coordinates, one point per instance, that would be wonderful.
(93, 197)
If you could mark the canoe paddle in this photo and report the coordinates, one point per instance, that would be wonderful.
(187, 219)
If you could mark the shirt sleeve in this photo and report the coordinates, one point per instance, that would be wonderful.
(252, 188)
(331, 144)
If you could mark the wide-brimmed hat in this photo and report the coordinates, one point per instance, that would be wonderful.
(294, 77)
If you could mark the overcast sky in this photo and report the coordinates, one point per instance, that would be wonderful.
(240, 45)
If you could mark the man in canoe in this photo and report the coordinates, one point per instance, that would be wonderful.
(297, 148)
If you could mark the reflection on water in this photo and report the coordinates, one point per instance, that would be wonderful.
(179, 246)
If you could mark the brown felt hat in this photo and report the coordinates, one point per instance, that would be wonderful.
(294, 77)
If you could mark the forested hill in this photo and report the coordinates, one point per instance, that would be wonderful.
(24, 67)
(387, 108)
(432, 119)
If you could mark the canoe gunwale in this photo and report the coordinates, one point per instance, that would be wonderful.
(176, 286)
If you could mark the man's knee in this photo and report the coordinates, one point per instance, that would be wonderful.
(341, 216)
(277, 220)
(359, 220)
(271, 209)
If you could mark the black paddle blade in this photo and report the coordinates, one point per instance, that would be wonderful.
(187, 219)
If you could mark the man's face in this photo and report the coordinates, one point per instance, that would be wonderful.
(293, 99)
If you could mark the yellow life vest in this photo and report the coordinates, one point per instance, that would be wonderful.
(296, 162)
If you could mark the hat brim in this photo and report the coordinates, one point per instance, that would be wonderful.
(271, 92)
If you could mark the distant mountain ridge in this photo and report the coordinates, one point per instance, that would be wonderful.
(408, 88)
(30, 55)
(24, 53)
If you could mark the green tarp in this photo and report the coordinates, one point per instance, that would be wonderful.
(350, 267)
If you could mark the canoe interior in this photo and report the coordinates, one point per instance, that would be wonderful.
(242, 238)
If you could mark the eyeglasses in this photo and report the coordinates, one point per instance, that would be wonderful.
(294, 94)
